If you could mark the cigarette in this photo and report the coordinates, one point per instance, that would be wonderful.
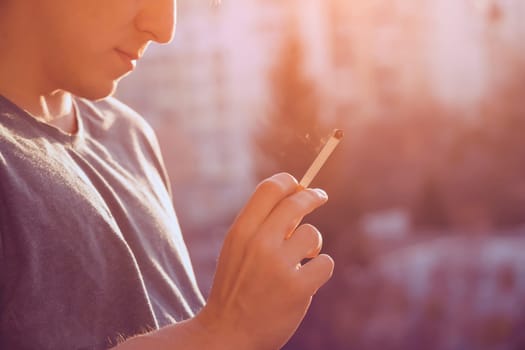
(321, 158)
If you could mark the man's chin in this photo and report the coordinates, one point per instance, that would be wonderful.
(98, 91)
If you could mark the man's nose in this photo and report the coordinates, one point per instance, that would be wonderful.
(157, 17)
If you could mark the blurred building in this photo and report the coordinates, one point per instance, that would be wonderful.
(199, 97)
(374, 55)
(385, 53)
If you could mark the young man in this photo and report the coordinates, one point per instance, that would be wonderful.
(90, 249)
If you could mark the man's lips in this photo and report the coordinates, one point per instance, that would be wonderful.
(130, 55)
(128, 60)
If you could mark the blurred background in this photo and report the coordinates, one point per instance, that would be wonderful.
(426, 218)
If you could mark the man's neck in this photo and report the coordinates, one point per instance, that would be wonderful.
(20, 84)
(54, 109)
(23, 81)
(57, 110)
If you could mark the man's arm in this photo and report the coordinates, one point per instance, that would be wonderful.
(261, 291)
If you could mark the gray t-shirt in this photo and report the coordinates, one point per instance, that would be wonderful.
(90, 247)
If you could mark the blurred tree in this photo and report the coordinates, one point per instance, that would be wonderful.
(430, 211)
(503, 124)
(486, 163)
(288, 139)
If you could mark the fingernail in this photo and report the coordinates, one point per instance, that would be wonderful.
(322, 194)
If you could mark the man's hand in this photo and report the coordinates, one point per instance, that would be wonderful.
(261, 291)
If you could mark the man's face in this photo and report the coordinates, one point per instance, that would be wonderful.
(86, 46)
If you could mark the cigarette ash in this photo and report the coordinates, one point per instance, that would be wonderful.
(338, 134)
(323, 142)
(308, 141)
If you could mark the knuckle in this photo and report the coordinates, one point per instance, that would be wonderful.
(286, 178)
(310, 198)
(316, 240)
(320, 271)
(271, 187)
(290, 228)
(310, 235)
(297, 203)
(279, 184)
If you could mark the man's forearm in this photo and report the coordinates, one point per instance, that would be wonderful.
(190, 334)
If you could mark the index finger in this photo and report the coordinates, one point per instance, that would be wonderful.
(268, 194)
(287, 215)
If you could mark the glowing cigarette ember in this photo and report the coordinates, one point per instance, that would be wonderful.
(321, 158)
